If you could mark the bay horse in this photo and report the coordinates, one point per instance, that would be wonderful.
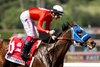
(52, 55)
(3, 49)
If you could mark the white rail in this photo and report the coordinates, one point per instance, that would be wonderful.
(81, 64)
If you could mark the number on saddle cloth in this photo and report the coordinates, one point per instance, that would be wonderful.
(15, 48)
(15, 45)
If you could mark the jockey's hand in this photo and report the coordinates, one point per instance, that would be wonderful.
(53, 37)
(51, 32)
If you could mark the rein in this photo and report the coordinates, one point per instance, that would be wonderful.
(62, 38)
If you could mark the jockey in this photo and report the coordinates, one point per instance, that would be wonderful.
(40, 15)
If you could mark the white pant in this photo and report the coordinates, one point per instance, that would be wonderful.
(29, 25)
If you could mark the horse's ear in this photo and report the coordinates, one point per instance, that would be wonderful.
(65, 27)
(70, 24)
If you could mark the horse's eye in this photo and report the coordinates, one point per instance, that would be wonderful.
(93, 43)
(79, 32)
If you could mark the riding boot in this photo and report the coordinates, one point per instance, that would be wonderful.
(26, 48)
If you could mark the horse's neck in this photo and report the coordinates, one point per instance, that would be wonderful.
(53, 53)
(60, 48)
(59, 51)
(62, 44)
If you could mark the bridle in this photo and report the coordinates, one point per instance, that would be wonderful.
(63, 38)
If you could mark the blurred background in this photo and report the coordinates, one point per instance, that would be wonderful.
(84, 12)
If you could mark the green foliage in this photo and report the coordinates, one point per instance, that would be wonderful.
(11, 18)
(9, 14)
(7, 34)
(57, 24)
(83, 12)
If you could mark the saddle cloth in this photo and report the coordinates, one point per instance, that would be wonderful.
(15, 48)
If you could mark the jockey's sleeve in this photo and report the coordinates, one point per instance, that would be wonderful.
(48, 22)
(40, 24)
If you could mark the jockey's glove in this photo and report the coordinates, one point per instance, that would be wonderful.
(51, 32)
(54, 37)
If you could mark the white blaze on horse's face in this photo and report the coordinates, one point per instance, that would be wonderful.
(80, 36)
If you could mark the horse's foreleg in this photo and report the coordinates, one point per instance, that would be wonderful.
(61, 65)
(61, 62)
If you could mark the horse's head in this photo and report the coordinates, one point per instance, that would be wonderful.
(79, 35)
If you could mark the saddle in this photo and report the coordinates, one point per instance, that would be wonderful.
(15, 48)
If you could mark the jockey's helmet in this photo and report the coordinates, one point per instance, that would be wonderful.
(57, 10)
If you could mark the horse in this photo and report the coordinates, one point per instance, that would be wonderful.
(3, 49)
(52, 54)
